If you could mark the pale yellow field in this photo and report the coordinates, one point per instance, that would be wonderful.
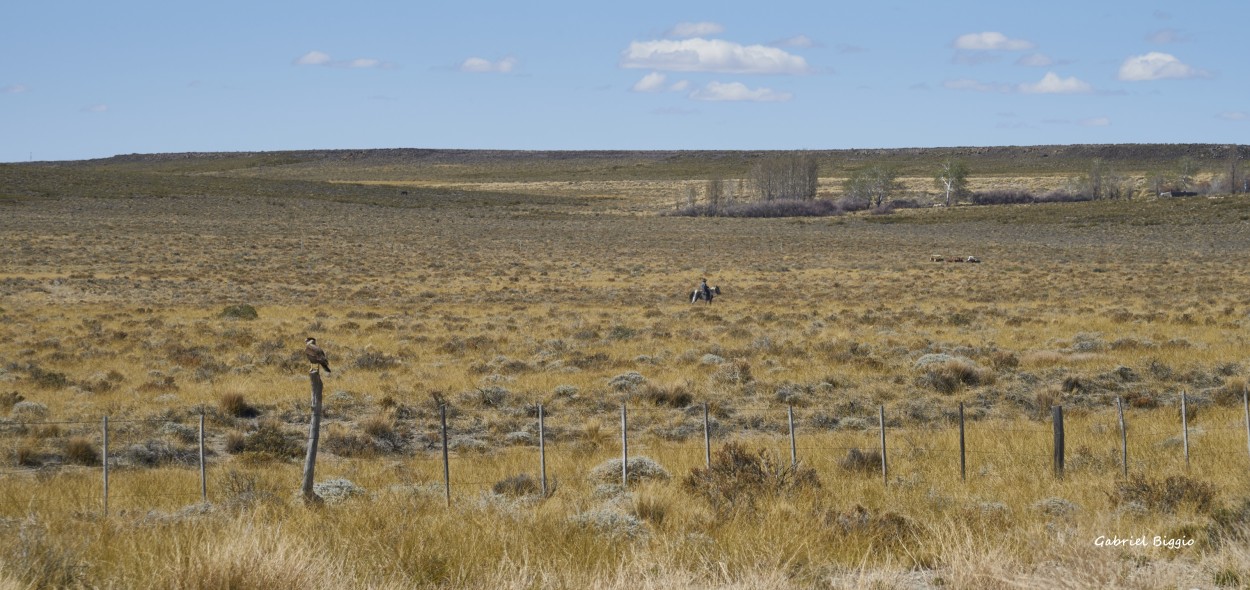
(494, 304)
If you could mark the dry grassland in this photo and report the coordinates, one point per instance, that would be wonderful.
(498, 295)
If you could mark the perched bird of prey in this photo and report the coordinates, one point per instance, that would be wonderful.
(315, 355)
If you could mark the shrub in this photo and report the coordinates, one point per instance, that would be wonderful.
(1166, 495)
(239, 312)
(153, 453)
(524, 486)
(948, 377)
(10, 399)
(674, 397)
(861, 461)
(1230, 394)
(890, 527)
(373, 360)
(337, 490)
(47, 379)
(234, 404)
(640, 469)
(610, 522)
(775, 208)
(29, 410)
(627, 381)
(1232, 522)
(737, 477)
(80, 451)
(268, 439)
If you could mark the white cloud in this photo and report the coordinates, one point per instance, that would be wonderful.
(700, 29)
(14, 89)
(991, 41)
(711, 55)
(1051, 83)
(1157, 66)
(653, 82)
(737, 91)
(312, 58)
(1095, 122)
(974, 85)
(480, 65)
(1234, 116)
(680, 86)
(802, 41)
(317, 58)
(1035, 60)
(96, 108)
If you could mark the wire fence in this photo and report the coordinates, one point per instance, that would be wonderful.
(139, 464)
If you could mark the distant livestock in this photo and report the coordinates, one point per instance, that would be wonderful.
(940, 258)
(1178, 194)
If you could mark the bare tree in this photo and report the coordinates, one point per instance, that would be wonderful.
(952, 176)
(1186, 172)
(1234, 162)
(791, 176)
(874, 184)
(714, 192)
(1155, 180)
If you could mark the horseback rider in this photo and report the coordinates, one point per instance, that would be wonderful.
(705, 290)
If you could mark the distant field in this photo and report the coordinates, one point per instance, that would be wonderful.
(503, 280)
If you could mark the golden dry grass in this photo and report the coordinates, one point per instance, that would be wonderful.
(495, 302)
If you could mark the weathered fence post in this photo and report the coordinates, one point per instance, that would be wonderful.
(1057, 417)
(885, 470)
(203, 477)
(105, 453)
(314, 435)
(1185, 428)
(963, 456)
(706, 438)
(1245, 402)
(542, 449)
(624, 448)
(1119, 406)
(794, 456)
(442, 412)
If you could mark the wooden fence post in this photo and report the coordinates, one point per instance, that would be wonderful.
(1119, 406)
(963, 456)
(203, 477)
(707, 438)
(314, 435)
(1185, 428)
(442, 411)
(1057, 417)
(106, 466)
(794, 456)
(1245, 402)
(624, 448)
(542, 449)
(885, 470)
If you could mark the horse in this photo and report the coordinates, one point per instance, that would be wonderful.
(698, 294)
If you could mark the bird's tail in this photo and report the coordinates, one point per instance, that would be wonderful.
(326, 366)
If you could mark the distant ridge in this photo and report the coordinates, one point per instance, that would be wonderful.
(1111, 151)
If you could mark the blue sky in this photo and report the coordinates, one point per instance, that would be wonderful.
(94, 79)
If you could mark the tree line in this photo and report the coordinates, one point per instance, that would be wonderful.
(791, 180)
